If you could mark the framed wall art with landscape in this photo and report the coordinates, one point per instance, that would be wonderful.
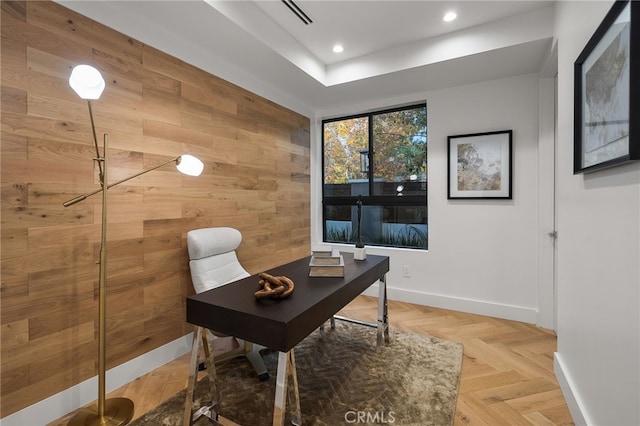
(479, 165)
(607, 92)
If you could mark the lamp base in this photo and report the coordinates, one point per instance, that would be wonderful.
(360, 253)
(117, 412)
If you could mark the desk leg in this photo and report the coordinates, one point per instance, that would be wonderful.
(206, 410)
(383, 317)
(286, 385)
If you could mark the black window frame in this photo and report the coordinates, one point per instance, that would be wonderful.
(372, 200)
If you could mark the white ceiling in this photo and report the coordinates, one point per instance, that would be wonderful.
(367, 27)
(393, 49)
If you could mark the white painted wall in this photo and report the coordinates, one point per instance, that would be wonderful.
(598, 358)
(483, 254)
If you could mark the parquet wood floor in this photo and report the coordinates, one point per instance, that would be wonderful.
(507, 370)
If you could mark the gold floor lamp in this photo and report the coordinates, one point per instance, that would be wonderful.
(88, 83)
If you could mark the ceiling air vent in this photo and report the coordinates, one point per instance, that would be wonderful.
(297, 11)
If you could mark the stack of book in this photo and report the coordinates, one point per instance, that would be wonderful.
(326, 262)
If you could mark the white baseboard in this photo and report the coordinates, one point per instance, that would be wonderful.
(71, 399)
(479, 307)
(576, 408)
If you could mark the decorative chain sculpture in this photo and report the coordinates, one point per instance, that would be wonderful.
(279, 287)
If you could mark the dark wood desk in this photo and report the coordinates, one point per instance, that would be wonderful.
(281, 324)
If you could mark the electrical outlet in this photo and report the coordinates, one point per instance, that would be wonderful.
(406, 271)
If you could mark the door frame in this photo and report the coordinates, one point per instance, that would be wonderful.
(547, 170)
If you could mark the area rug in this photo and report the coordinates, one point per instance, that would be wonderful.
(342, 381)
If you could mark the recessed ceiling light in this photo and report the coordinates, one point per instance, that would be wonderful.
(449, 16)
(338, 48)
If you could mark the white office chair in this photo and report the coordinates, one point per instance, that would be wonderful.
(213, 262)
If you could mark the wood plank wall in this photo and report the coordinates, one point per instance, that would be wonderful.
(154, 107)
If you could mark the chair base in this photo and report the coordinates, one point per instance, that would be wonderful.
(227, 347)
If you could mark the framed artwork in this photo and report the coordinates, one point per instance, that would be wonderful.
(606, 92)
(479, 165)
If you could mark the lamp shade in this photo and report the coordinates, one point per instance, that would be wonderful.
(87, 82)
(189, 165)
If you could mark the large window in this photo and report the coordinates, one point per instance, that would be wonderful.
(380, 159)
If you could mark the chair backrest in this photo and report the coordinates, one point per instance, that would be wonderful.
(213, 260)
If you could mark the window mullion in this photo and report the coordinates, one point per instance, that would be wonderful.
(371, 156)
